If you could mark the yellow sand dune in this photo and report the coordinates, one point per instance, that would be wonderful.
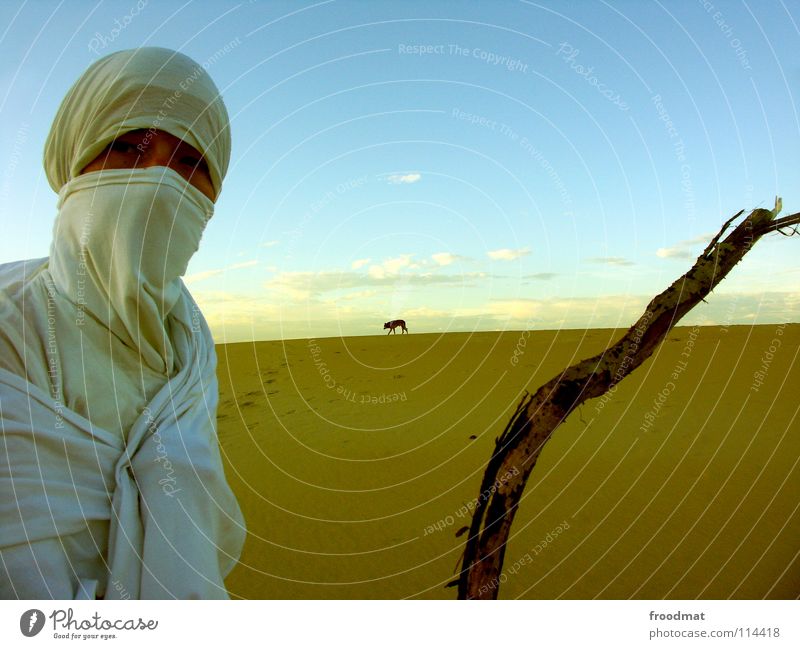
(356, 460)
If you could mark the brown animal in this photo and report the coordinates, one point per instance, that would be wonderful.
(393, 324)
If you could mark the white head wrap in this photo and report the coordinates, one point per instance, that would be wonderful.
(150, 87)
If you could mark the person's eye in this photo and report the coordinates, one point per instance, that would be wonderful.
(194, 162)
(123, 147)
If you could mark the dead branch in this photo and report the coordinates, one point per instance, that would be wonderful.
(539, 414)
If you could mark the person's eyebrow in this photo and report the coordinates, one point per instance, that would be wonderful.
(185, 147)
(131, 138)
(133, 135)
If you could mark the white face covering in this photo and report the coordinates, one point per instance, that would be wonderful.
(122, 239)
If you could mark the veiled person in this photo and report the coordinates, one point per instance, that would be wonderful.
(111, 479)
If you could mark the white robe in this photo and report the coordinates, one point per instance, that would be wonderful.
(111, 480)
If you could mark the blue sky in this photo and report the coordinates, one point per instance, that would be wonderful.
(462, 165)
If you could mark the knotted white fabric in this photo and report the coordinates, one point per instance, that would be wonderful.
(175, 527)
(111, 479)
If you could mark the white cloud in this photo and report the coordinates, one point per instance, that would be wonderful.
(269, 244)
(543, 276)
(445, 258)
(358, 263)
(684, 249)
(673, 253)
(390, 267)
(404, 179)
(261, 316)
(554, 313)
(611, 261)
(302, 286)
(357, 295)
(508, 254)
(395, 264)
(205, 274)
(428, 312)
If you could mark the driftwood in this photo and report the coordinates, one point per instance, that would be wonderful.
(539, 414)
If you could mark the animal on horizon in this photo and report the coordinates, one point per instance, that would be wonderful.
(394, 324)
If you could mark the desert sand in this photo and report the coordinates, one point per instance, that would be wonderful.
(357, 460)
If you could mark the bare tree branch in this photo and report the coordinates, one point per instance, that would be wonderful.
(539, 414)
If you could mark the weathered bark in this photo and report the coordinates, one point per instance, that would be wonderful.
(539, 414)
